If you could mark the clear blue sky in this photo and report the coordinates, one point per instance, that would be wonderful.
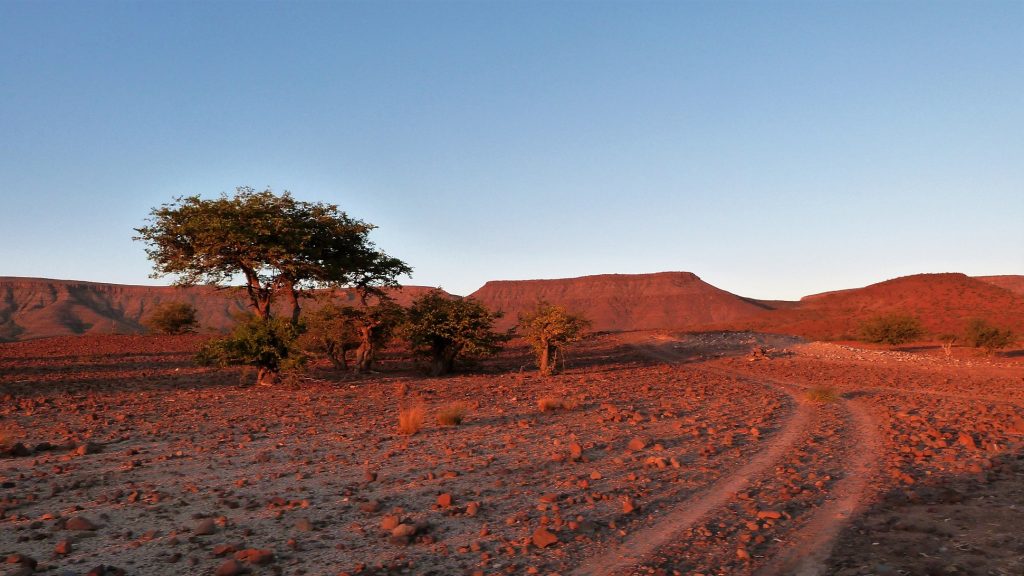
(773, 148)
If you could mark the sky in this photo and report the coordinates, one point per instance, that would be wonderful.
(775, 149)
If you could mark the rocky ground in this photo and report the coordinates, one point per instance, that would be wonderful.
(651, 454)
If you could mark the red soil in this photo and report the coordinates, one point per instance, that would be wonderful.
(684, 455)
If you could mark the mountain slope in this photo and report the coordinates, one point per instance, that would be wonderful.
(613, 302)
(39, 307)
(943, 302)
(1013, 283)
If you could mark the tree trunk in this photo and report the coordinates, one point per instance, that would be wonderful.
(544, 362)
(259, 297)
(293, 295)
(267, 377)
(365, 351)
(443, 359)
(338, 360)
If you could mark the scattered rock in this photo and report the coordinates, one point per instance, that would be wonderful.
(230, 568)
(637, 444)
(389, 522)
(88, 448)
(80, 523)
(542, 538)
(205, 527)
(575, 451)
(403, 530)
(255, 556)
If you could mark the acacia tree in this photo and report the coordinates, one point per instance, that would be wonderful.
(548, 328)
(441, 328)
(278, 244)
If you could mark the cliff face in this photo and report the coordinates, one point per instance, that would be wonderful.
(39, 308)
(666, 300)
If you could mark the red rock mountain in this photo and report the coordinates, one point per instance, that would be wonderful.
(38, 307)
(670, 300)
(35, 308)
(943, 302)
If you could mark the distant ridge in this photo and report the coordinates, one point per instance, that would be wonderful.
(614, 302)
(42, 307)
(943, 302)
(1012, 283)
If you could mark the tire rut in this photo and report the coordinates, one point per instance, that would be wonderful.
(643, 543)
(810, 545)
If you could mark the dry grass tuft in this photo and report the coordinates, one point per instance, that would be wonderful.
(552, 403)
(401, 388)
(823, 394)
(410, 419)
(452, 414)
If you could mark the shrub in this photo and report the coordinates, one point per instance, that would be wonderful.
(410, 420)
(452, 414)
(266, 344)
(981, 334)
(891, 329)
(172, 318)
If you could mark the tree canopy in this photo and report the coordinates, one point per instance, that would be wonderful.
(277, 243)
(442, 328)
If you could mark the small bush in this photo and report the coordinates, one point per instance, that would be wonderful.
(552, 403)
(891, 329)
(452, 414)
(173, 318)
(267, 345)
(981, 334)
(822, 394)
(401, 388)
(410, 420)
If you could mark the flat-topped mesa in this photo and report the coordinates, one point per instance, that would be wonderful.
(620, 302)
(41, 307)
